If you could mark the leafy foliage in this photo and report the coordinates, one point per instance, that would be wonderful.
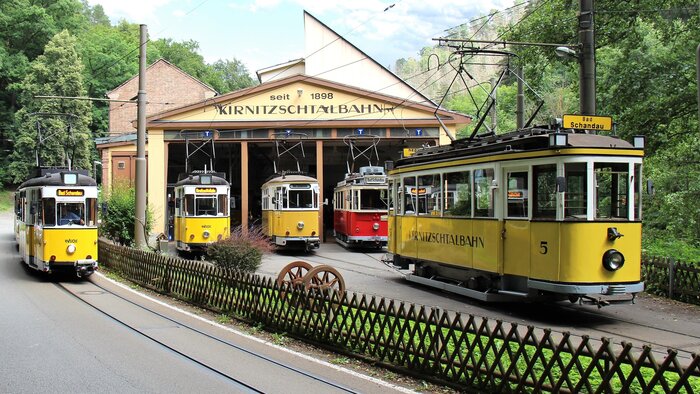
(63, 124)
(242, 251)
(120, 217)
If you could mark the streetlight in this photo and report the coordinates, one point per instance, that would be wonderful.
(566, 52)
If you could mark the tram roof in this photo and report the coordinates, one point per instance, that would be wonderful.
(532, 139)
(196, 179)
(294, 177)
(56, 179)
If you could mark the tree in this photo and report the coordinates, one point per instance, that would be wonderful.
(57, 72)
(233, 75)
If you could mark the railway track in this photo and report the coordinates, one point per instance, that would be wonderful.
(244, 366)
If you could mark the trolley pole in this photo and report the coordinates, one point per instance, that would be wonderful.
(586, 38)
(140, 222)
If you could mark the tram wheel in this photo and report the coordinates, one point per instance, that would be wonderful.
(324, 277)
(293, 273)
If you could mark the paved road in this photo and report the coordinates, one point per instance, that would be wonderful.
(97, 336)
(650, 320)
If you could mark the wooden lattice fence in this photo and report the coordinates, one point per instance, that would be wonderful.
(463, 351)
(673, 279)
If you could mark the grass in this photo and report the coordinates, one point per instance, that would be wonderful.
(393, 338)
(6, 200)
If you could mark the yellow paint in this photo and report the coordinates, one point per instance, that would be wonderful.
(55, 242)
(278, 223)
(568, 252)
(582, 248)
(196, 226)
(156, 179)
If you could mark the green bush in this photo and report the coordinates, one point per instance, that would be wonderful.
(119, 219)
(242, 251)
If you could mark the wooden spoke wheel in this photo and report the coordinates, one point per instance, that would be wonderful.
(293, 273)
(324, 277)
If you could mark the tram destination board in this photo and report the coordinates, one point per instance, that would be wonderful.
(587, 122)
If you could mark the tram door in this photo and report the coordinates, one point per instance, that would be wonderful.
(516, 224)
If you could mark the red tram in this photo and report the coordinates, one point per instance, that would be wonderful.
(360, 209)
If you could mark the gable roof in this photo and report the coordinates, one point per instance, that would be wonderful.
(385, 70)
(174, 67)
(161, 119)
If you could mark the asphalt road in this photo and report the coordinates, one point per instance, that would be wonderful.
(67, 335)
(655, 321)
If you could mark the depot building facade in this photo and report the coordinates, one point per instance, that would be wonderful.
(297, 117)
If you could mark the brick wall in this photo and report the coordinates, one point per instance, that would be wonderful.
(167, 87)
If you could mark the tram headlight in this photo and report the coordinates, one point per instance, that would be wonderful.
(613, 260)
(375, 226)
(205, 234)
(70, 249)
(300, 225)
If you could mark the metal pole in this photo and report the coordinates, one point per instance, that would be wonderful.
(139, 225)
(586, 38)
(494, 96)
(520, 101)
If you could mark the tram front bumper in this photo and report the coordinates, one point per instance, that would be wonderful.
(309, 241)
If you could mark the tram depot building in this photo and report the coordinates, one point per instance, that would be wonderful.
(335, 91)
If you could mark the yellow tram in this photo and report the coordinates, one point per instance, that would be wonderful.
(530, 214)
(201, 211)
(290, 210)
(56, 222)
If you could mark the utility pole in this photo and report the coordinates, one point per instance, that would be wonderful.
(140, 222)
(586, 38)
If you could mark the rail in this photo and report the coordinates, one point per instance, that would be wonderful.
(462, 351)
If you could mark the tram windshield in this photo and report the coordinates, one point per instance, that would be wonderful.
(300, 196)
(68, 213)
(372, 199)
(205, 206)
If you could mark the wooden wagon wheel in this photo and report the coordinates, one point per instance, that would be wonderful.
(324, 277)
(293, 273)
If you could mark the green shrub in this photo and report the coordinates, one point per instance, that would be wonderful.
(119, 219)
(242, 251)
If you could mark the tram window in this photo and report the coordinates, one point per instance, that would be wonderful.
(545, 191)
(391, 198)
(205, 206)
(517, 194)
(355, 199)
(637, 182)
(189, 204)
(91, 211)
(49, 211)
(483, 198)
(301, 198)
(427, 200)
(576, 197)
(371, 199)
(457, 192)
(70, 213)
(409, 201)
(611, 190)
(223, 206)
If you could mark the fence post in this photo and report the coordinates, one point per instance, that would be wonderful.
(671, 270)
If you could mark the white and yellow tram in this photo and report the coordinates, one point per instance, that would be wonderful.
(201, 211)
(530, 214)
(290, 211)
(56, 222)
